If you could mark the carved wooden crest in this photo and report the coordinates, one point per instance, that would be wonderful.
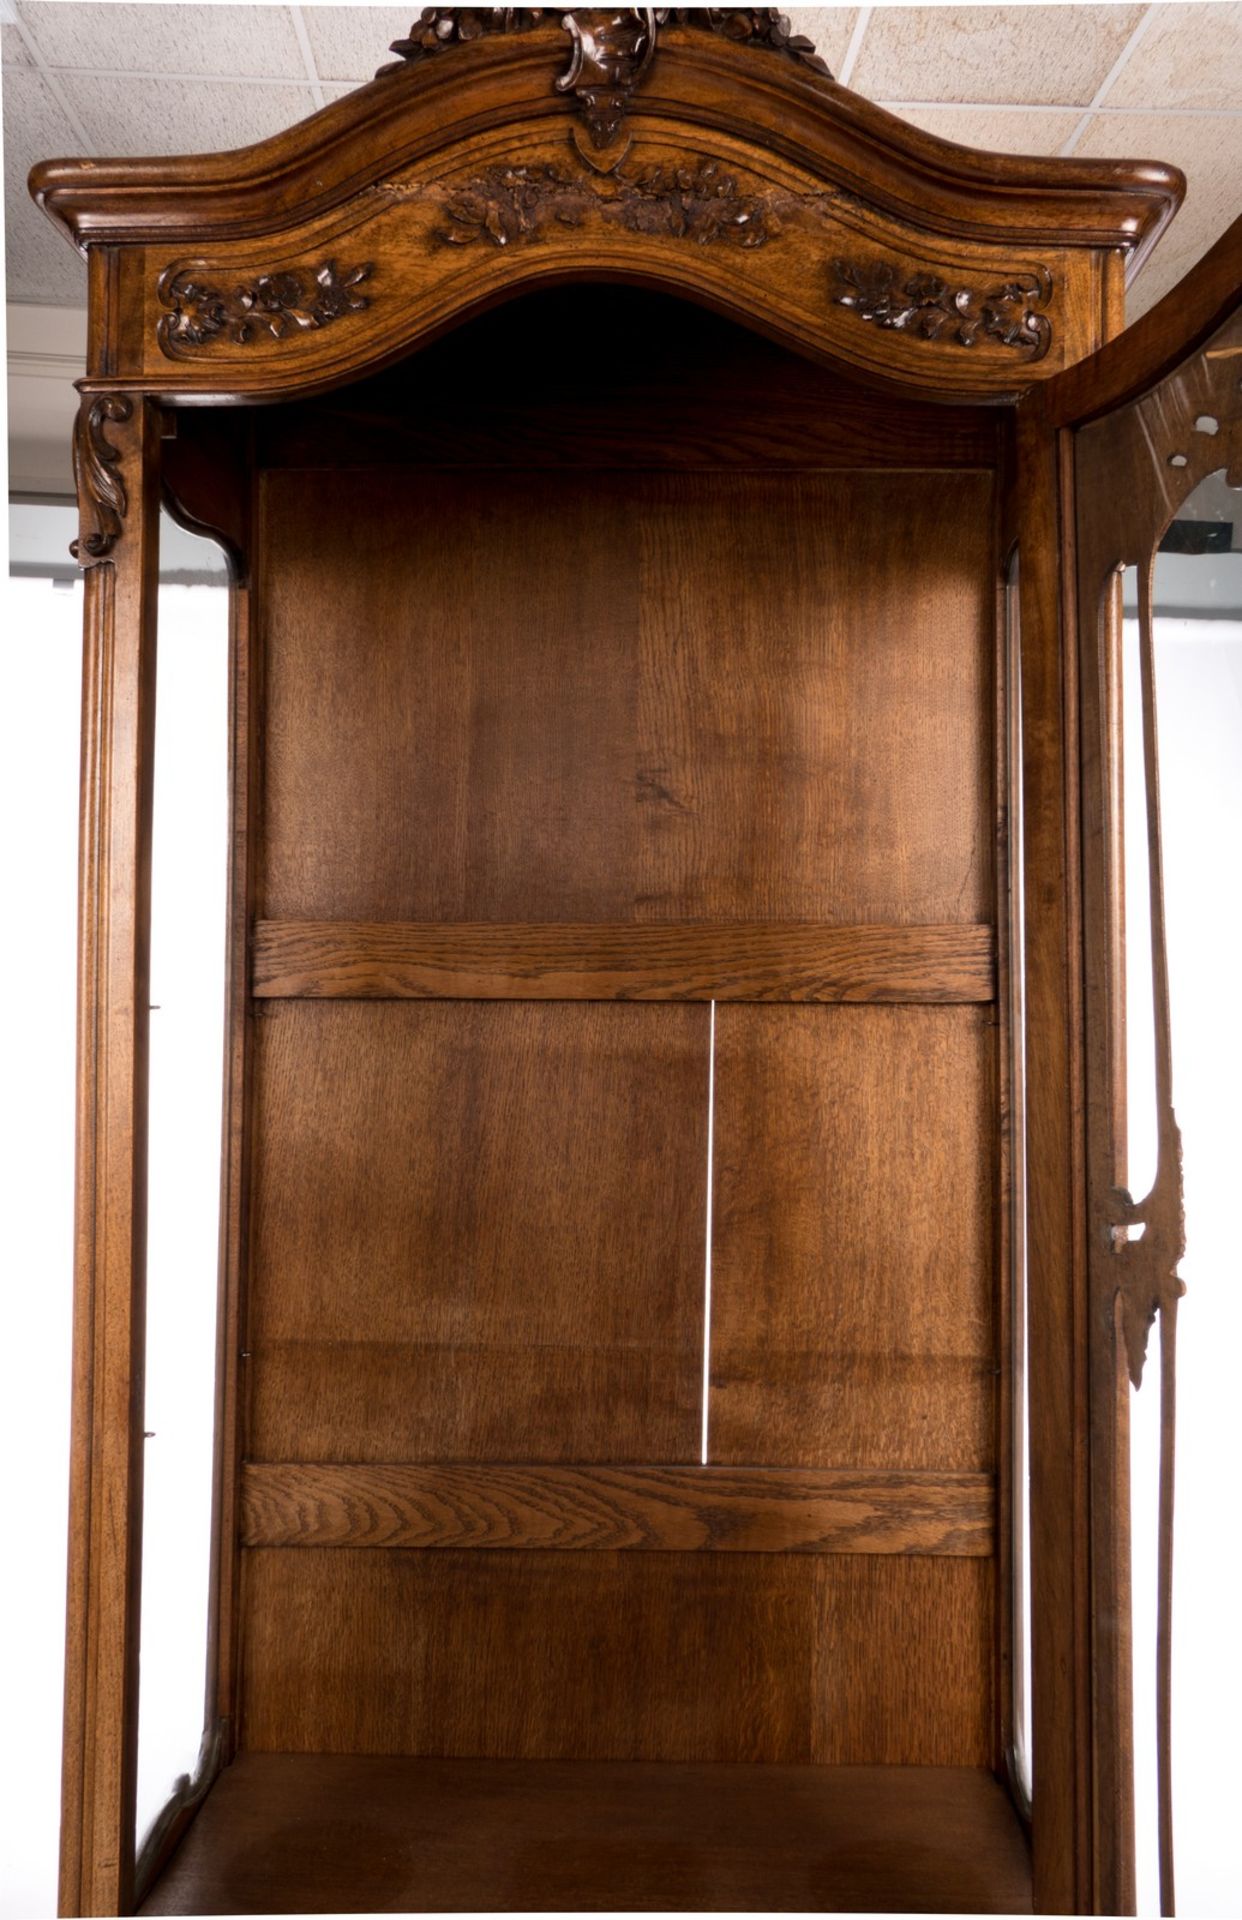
(611, 49)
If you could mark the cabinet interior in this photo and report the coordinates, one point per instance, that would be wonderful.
(622, 1436)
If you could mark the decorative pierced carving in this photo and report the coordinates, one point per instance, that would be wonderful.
(270, 306)
(95, 469)
(510, 205)
(928, 307)
(612, 48)
(1149, 1282)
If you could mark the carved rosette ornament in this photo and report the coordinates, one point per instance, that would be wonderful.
(270, 306)
(101, 490)
(928, 307)
(611, 48)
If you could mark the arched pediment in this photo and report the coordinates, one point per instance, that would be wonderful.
(705, 152)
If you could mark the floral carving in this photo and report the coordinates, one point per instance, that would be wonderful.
(101, 490)
(930, 308)
(703, 203)
(611, 48)
(269, 306)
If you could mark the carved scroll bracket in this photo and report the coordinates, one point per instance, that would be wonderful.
(101, 489)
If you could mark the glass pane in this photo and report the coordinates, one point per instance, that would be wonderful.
(1198, 684)
(1022, 1744)
(39, 754)
(187, 1052)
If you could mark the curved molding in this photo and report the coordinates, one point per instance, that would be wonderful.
(701, 80)
(1158, 342)
(102, 494)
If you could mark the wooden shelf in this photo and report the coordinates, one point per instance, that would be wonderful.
(319, 1833)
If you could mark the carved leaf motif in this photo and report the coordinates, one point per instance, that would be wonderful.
(929, 308)
(520, 204)
(101, 490)
(440, 27)
(272, 306)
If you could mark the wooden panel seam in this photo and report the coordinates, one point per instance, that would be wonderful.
(663, 1509)
(795, 961)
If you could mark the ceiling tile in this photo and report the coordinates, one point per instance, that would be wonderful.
(1022, 54)
(255, 42)
(829, 27)
(351, 43)
(125, 116)
(40, 263)
(1190, 56)
(1000, 129)
(1208, 149)
(35, 127)
(13, 48)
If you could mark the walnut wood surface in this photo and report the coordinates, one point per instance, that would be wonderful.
(105, 1519)
(756, 1510)
(1063, 1838)
(796, 1657)
(311, 1834)
(478, 1232)
(337, 234)
(357, 960)
(853, 1289)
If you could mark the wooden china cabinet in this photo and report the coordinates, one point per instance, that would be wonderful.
(673, 1087)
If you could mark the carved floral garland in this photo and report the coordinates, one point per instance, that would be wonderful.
(508, 205)
(271, 305)
(928, 307)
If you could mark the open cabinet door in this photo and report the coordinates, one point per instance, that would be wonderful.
(1110, 454)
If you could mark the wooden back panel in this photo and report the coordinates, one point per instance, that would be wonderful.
(608, 743)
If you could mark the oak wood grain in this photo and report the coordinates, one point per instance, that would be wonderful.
(525, 723)
(853, 1283)
(306, 1833)
(796, 1657)
(359, 960)
(478, 1231)
(756, 1510)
